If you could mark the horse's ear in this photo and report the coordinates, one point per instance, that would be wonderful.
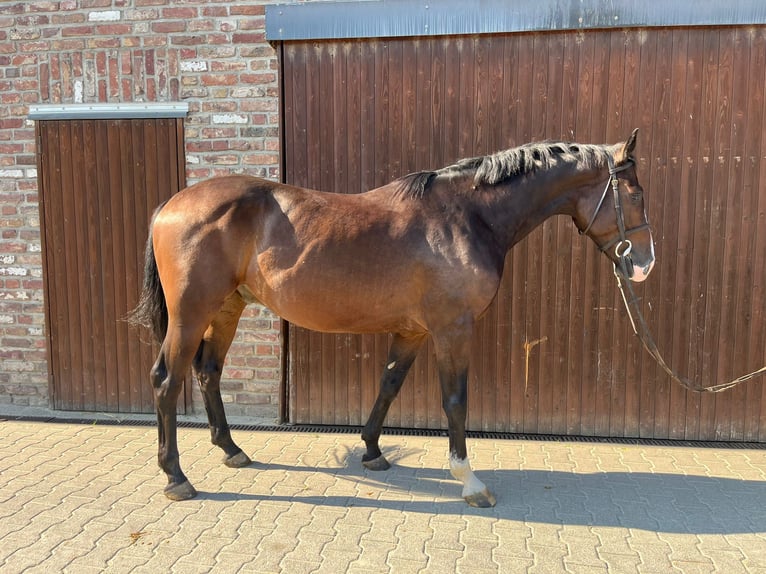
(627, 149)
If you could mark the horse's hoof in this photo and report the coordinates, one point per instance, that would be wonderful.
(379, 463)
(483, 499)
(237, 461)
(183, 491)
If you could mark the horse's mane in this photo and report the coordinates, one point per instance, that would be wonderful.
(498, 167)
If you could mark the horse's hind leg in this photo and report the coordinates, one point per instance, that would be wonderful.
(208, 365)
(167, 377)
(400, 358)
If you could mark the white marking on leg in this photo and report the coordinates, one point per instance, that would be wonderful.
(461, 470)
(391, 365)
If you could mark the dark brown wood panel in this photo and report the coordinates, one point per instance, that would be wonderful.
(100, 181)
(555, 353)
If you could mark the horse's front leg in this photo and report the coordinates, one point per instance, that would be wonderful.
(400, 358)
(452, 353)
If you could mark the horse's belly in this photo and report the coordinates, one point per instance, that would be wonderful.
(348, 313)
(353, 310)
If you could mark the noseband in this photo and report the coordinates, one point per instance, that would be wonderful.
(622, 245)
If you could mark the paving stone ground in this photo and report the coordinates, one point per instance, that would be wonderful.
(87, 499)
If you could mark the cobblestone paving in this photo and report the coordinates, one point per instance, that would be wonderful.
(87, 499)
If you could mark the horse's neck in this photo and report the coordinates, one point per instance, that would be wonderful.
(524, 203)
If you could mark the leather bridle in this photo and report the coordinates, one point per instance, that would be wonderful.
(622, 245)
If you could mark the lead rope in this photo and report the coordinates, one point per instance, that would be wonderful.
(645, 336)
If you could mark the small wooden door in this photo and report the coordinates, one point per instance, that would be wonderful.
(100, 181)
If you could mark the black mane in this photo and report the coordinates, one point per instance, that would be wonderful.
(498, 167)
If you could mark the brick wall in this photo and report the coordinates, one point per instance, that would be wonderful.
(211, 54)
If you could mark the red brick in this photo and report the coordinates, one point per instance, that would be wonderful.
(219, 79)
(68, 45)
(186, 12)
(168, 27)
(198, 173)
(101, 63)
(215, 11)
(198, 146)
(151, 90)
(155, 41)
(253, 399)
(248, 10)
(9, 98)
(258, 23)
(31, 47)
(227, 66)
(42, 6)
(249, 38)
(259, 105)
(125, 63)
(262, 78)
(11, 148)
(77, 64)
(23, 59)
(11, 123)
(175, 88)
(76, 18)
(32, 20)
(201, 25)
(114, 75)
(127, 89)
(149, 61)
(69, 31)
(114, 29)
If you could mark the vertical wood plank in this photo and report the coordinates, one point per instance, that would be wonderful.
(591, 83)
(690, 204)
(738, 232)
(579, 313)
(634, 352)
(647, 71)
(702, 223)
(677, 227)
(617, 344)
(719, 363)
(752, 281)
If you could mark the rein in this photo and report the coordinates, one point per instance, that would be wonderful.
(645, 336)
(622, 272)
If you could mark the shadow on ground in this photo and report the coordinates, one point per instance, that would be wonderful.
(650, 501)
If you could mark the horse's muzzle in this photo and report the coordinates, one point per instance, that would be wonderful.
(627, 266)
(640, 273)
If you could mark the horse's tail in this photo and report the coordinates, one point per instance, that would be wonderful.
(151, 311)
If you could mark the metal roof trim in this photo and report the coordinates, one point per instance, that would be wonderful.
(108, 111)
(318, 20)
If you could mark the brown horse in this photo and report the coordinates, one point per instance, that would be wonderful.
(420, 256)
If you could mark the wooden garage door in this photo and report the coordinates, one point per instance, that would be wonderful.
(555, 353)
(100, 181)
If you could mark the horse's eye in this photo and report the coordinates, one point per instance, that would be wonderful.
(636, 197)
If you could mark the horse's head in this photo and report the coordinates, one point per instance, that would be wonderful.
(614, 216)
